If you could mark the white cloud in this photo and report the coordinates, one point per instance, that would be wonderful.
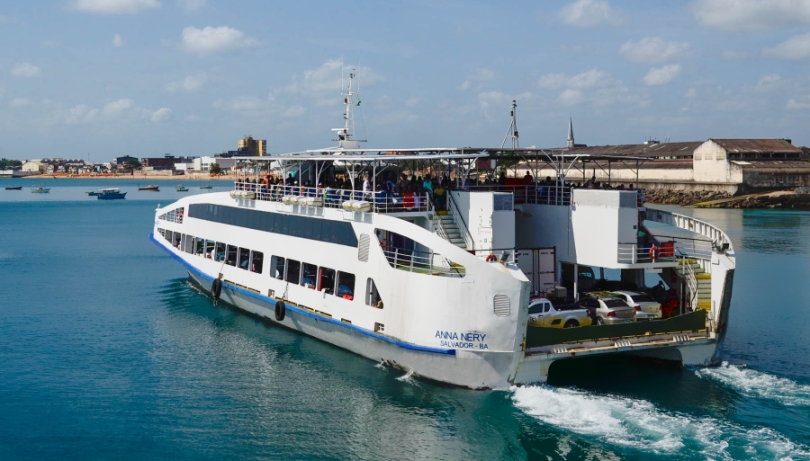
(192, 118)
(327, 81)
(794, 48)
(751, 15)
(294, 111)
(476, 81)
(769, 83)
(661, 75)
(161, 115)
(411, 102)
(117, 107)
(588, 13)
(653, 50)
(81, 114)
(691, 93)
(589, 79)
(190, 84)
(116, 6)
(191, 5)
(25, 70)
(214, 40)
(793, 104)
(117, 41)
(570, 97)
(19, 103)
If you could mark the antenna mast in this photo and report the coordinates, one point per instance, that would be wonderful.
(346, 134)
(512, 131)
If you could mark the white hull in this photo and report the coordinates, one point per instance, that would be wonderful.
(478, 370)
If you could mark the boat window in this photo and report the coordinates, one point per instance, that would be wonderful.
(345, 285)
(199, 247)
(244, 258)
(256, 261)
(230, 256)
(293, 271)
(327, 281)
(277, 267)
(310, 273)
(220, 254)
(209, 249)
(323, 230)
(176, 240)
(168, 235)
(188, 244)
(372, 295)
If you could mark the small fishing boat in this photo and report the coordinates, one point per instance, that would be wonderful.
(110, 194)
(40, 190)
(151, 187)
(182, 188)
(13, 187)
(91, 193)
(206, 186)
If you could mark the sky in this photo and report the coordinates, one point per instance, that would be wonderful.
(99, 79)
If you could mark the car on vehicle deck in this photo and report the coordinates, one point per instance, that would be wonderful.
(608, 310)
(647, 308)
(543, 313)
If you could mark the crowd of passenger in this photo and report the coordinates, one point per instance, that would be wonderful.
(409, 190)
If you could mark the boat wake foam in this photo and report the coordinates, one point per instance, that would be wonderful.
(639, 425)
(754, 383)
(408, 378)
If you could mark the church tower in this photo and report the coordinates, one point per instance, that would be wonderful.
(570, 133)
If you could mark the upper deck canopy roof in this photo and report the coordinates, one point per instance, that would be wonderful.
(436, 153)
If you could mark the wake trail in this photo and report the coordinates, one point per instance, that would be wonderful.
(639, 425)
(757, 384)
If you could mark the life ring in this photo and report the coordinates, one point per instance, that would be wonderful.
(216, 289)
(653, 252)
(281, 311)
(491, 258)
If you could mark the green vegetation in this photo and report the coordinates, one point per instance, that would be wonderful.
(6, 163)
(215, 169)
(133, 163)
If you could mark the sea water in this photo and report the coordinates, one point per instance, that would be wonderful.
(107, 354)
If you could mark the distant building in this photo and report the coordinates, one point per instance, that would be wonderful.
(34, 166)
(166, 162)
(123, 160)
(204, 163)
(252, 147)
(754, 163)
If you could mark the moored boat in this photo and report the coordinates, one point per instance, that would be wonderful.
(40, 190)
(181, 188)
(110, 193)
(13, 187)
(151, 187)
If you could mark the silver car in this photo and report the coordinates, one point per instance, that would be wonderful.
(647, 308)
(609, 310)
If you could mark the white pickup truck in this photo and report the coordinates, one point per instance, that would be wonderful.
(542, 313)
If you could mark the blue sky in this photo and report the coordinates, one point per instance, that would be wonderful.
(106, 78)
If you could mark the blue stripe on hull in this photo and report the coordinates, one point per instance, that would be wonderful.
(304, 312)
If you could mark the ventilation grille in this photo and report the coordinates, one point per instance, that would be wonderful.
(501, 305)
(362, 249)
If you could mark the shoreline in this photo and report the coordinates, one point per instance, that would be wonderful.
(139, 177)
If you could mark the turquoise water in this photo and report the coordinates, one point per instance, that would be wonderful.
(106, 353)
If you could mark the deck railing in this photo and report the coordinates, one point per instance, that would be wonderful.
(378, 202)
(423, 262)
(532, 194)
(717, 237)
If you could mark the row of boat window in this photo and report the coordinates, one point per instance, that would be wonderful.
(175, 216)
(323, 230)
(328, 280)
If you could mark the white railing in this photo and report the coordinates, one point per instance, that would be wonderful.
(378, 202)
(452, 207)
(424, 263)
(532, 194)
(691, 283)
(631, 253)
(717, 237)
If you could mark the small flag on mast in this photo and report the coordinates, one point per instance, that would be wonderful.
(358, 102)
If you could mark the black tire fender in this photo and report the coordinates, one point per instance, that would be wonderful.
(216, 289)
(281, 311)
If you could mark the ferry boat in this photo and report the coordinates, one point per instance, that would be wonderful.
(438, 283)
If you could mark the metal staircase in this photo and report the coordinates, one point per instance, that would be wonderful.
(698, 281)
(447, 229)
